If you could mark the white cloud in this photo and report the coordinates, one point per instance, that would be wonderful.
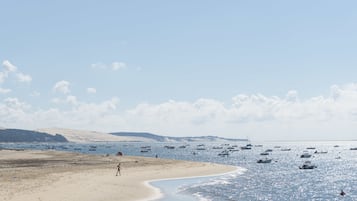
(62, 87)
(3, 76)
(4, 91)
(12, 69)
(98, 66)
(257, 116)
(118, 65)
(23, 78)
(72, 100)
(16, 104)
(91, 90)
(113, 66)
(9, 66)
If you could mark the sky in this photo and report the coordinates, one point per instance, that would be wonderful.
(263, 70)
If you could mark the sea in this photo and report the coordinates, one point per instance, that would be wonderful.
(280, 180)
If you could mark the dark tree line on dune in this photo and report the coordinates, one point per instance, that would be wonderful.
(18, 135)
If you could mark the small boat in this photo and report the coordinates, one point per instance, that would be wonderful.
(307, 165)
(320, 152)
(264, 160)
(224, 153)
(269, 150)
(145, 149)
(355, 148)
(305, 155)
(288, 149)
(264, 153)
(169, 147)
(336, 146)
(277, 147)
(217, 147)
(201, 147)
(92, 149)
(311, 148)
(246, 147)
(182, 147)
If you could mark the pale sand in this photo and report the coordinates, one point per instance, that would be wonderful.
(83, 136)
(61, 176)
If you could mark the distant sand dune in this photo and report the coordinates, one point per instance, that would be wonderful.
(82, 136)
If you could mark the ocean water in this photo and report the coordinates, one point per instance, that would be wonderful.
(279, 180)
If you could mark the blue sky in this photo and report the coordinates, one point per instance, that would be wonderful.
(262, 69)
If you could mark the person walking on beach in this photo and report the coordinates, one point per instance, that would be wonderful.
(118, 171)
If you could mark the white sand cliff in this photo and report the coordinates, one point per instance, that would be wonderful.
(83, 136)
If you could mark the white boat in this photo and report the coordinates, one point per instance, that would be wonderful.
(305, 155)
(286, 149)
(247, 147)
(201, 147)
(307, 165)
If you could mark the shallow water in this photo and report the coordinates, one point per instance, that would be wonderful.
(278, 180)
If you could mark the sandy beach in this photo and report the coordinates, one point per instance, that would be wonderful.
(63, 176)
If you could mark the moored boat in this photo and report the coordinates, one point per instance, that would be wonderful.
(307, 165)
(224, 153)
(264, 160)
(305, 155)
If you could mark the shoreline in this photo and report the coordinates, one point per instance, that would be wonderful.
(158, 191)
(57, 176)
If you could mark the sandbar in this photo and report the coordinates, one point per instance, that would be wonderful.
(64, 176)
